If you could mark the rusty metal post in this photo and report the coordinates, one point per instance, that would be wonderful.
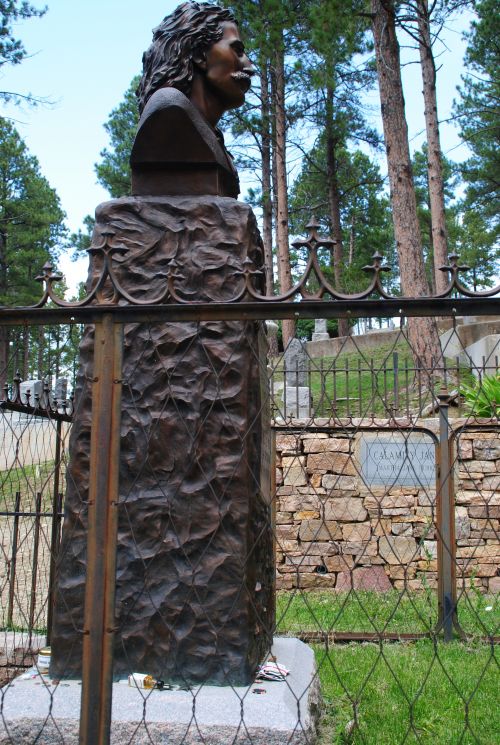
(395, 370)
(445, 509)
(13, 560)
(34, 564)
(55, 527)
(99, 617)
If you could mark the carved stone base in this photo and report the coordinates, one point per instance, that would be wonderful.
(195, 565)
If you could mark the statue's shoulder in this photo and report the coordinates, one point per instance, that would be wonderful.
(176, 151)
(168, 98)
(172, 130)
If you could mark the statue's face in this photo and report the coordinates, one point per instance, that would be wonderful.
(228, 70)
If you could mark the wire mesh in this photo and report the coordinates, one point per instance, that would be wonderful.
(32, 467)
(348, 490)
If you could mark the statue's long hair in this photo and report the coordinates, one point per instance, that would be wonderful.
(188, 32)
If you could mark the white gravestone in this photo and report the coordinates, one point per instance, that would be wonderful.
(320, 330)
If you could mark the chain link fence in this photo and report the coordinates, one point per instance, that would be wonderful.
(226, 509)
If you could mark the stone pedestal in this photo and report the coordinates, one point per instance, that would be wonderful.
(195, 565)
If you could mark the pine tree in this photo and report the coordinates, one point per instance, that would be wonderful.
(478, 248)
(333, 35)
(12, 50)
(31, 226)
(478, 114)
(423, 332)
(113, 171)
(268, 29)
(364, 211)
(423, 21)
(423, 189)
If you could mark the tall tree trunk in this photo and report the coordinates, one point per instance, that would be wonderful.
(40, 350)
(422, 332)
(284, 268)
(333, 192)
(434, 153)
(267, 204)
(267, 191)
(352, 239)
(334, 205)
(4, 330)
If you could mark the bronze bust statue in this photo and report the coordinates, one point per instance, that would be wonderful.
(195, 70)
(194, 561)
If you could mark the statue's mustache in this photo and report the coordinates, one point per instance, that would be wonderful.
(246, 74)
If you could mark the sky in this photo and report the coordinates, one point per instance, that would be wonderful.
(83, 55)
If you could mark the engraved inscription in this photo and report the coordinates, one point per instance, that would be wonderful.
(390, 460)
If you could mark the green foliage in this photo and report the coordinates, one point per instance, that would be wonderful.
(483, 398)
(113, 172)
(479, 114)
(365, 212)
(31, 220)
(12, 50)
(478, 246)
(81, 240)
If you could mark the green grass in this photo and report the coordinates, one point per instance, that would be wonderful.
(367, 380)
(373, 612)
(405, 692)
(29, 481)
(409, 693)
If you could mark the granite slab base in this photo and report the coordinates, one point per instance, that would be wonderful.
(287, 713)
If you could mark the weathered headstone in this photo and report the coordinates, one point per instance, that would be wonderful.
(31, 391)
(60, 392)
(320, 330)
(295, 364)
(296, 395)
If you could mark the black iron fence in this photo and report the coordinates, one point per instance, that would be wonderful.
(354, 383)
(385, 520)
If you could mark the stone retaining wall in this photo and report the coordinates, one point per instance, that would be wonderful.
(334, 531)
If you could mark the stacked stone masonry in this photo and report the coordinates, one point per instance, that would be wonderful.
(333, 531)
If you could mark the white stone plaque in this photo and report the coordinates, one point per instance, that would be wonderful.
(391, 459)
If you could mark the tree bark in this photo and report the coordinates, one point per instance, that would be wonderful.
(423, 334)
(352, 240)
(267, 204)
(334, 205)
(39, 352)
(435, 165)
(284, 268)
(4, 330)
(267, 199)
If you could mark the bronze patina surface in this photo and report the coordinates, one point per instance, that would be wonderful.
(195, 564)
(194, 71)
